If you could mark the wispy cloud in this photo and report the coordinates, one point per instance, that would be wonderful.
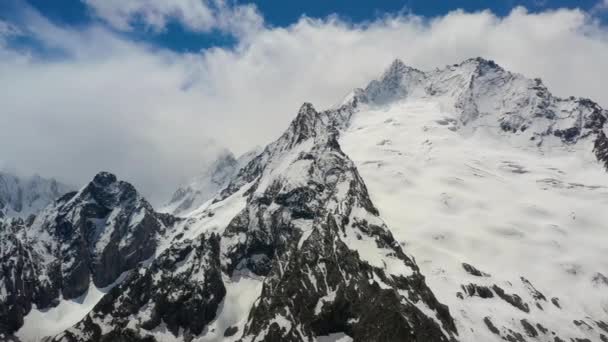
(195, 15)
(7, 31)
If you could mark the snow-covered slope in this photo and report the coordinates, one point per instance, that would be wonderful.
(206, 185)
(22, 197)
(473, 167)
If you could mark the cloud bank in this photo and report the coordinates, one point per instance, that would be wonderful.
(153, 116)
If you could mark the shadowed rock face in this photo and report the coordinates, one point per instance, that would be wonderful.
(19, 282)
(109, 229)
(298, 237)
(182, 289)
(93, 235)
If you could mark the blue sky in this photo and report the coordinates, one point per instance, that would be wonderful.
(278, 13)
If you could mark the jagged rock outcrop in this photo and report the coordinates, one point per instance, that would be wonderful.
(24, 280)
(85, 238)
(182, 289)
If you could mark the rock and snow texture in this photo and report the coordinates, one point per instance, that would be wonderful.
(208, 183)
(78, 245)
(22, 197)
(475, 177)
(497, 193)
(308, 232)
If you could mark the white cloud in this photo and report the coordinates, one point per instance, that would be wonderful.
(195, 15)
(148, 114)
(7, 31)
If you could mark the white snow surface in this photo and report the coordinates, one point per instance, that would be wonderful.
(242, 290)
(506, 206)
(49, 322)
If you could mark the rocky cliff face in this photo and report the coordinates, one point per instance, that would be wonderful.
(87, 237)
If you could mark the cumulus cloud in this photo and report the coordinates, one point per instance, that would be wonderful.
(154, 116)
(196, 15)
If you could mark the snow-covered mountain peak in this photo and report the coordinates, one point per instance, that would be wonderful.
(24, 196)
(481, 95)
(104, 178)
(398, 81)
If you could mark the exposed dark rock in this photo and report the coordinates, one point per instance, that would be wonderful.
(580, 323)
(512, 299)
(181, 289)
(477, 290)
(555, 302)
(230, 331)
(568, 135)
(602, 325)
(514, 336)
(537, 295)
(541, 328)
(529, 328)
(473, 271)
(491, 326)
(600, 148)
(599, 279)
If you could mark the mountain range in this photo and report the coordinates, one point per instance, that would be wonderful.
(459, 204)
